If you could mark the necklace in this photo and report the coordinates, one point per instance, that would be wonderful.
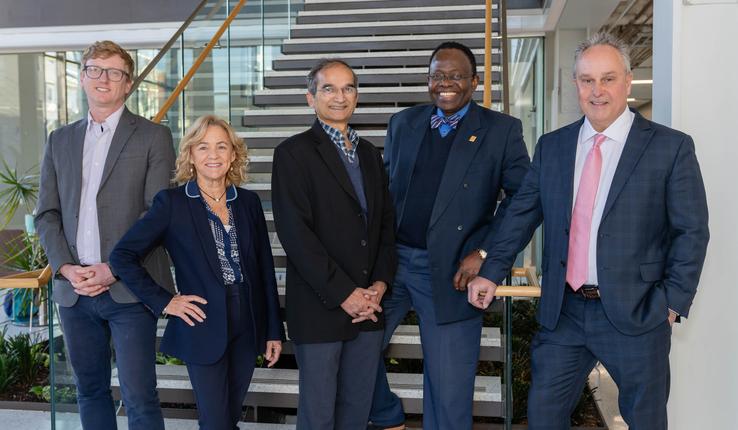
(211, 197)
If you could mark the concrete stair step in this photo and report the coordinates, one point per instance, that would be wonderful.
(381, 43)
(270, 139)
(279, 388)
(347, 5)
(306, 116)
(405, 342)
(367, 95)
(368, 77)
(391, 14)
(384, 28)
(404, 58)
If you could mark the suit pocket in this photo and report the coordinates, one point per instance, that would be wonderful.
(652, 272)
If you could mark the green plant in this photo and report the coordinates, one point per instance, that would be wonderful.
(66, 394)
(168, 359)
(21, 190)
(24, 253)
(29, 357)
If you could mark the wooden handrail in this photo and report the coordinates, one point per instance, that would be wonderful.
(503, 44)
(196, 65)
(32, 279)
(487, 101)
(533, 289)
(164, 49)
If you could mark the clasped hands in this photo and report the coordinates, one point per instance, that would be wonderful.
(363, 303)
(88, 280)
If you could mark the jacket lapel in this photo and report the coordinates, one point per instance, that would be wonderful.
(460, 157)
(76, 150)
(409, 145)
(368, 176)
(243, 223)
(638, 137)
(327, 151)
(202, 227)
(124, 130)
(567, 161)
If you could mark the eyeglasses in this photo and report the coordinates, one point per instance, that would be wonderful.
(455, 77)
(332, 91)
(115, 75)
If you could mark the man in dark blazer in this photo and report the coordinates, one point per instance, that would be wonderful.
(447, 163)
(98, 176)
(334, 217)
(625, 227)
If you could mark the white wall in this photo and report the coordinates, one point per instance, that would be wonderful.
(696, 90)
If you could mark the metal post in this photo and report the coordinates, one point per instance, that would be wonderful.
(508, 372)
(52, 355)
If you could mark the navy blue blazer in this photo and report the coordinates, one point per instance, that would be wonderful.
(653, 234)
(488, 155)
(180, 224)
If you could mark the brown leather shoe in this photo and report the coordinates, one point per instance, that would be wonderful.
(400, 427)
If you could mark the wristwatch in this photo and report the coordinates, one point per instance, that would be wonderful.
(482, 253)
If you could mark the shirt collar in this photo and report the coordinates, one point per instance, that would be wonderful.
(617, 131)
(461, 112)
(193, 191)
(110, 123)
(337, 137)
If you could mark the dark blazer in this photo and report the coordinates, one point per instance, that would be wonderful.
(330, 249)
(139, 164)
(488, 155)
(180, 224)
(653, 235)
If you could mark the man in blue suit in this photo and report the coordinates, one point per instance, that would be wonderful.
(447, 163)
(625, 227)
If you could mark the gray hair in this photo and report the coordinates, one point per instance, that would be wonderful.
(324, 63)
(607, 39)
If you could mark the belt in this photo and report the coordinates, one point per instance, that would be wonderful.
(591, 292)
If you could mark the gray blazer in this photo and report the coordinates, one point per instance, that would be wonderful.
(140, 163)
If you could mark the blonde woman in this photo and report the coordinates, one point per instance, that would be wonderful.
(227, 311)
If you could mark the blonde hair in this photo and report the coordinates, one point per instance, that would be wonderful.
(184, 170)
(106, 49)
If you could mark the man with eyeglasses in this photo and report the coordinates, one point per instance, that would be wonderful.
(447, 162)
(98, 176)
(334, 217)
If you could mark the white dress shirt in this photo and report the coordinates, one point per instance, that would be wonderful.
(611, 149)
(98, 137)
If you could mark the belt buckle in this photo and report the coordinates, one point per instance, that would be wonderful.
(590, 292)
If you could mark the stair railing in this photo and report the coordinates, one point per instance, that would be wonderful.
(198, 62)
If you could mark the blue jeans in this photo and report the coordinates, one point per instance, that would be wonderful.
(450, 351)
(88, 328)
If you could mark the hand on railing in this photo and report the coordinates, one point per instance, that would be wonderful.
(481, 291)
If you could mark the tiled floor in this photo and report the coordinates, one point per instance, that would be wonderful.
(31, 420)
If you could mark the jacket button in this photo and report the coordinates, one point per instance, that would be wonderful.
(563, 263)
(466, 186)
(363, 242)
(566, 231)
(366, 272)
(459, 227)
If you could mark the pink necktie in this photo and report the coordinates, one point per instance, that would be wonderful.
(581, 219)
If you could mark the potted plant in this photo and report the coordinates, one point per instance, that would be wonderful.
(19, 190)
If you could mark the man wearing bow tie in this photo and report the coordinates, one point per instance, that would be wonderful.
(447, 163)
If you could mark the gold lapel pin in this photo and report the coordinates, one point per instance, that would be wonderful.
(473, 139)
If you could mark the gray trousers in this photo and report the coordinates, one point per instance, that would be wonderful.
(337, 382)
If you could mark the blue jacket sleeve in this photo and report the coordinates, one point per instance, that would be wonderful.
(127, 256)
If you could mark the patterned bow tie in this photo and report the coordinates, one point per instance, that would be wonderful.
(451, 121)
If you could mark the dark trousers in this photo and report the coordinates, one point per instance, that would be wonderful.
(563, 358)
(221, 387)
(337, 381)
(450, 351)
(88, 328)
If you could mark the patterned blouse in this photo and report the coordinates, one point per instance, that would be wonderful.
(225, 236)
